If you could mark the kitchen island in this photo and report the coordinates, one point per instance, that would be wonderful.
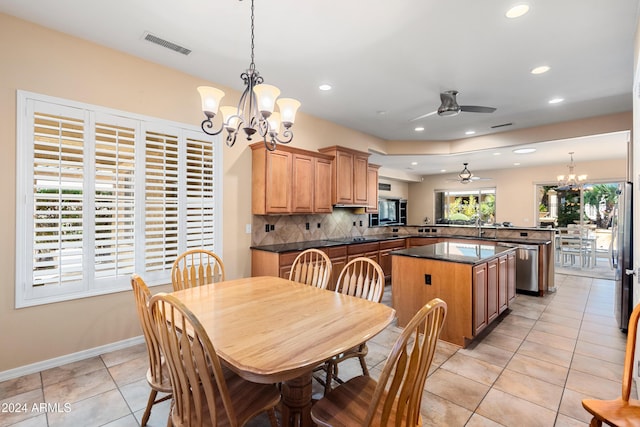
(477, 281)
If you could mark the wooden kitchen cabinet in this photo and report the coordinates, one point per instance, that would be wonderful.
(386, 247)
(503, 280)
(492, 290)
(368, 250)
(511, 277)
(372, 195)
(338, 257)
(289, 180)
(349, 176)
(421, 241)
(479, 298)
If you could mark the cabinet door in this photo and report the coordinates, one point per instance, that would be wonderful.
(344, 177)
(360, 180)
(303, 183)
(511, 277)
(502, 283)
(492, 290)
(322, 191)
(479, 298)
(372, 195)
(278, 182)
(385, 258)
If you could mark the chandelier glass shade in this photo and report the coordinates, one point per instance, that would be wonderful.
(255, 110)
(571, 181)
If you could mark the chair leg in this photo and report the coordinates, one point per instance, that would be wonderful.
(327, 382)
(272, 418)
(363, 350)
(595, 422)
(147, 411)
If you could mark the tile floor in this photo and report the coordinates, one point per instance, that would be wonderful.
(532, 368)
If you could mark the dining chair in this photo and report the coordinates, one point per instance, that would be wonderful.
(204, 393)
(363, 278)
(622, 411)
(196, 267)
(312, 267)
(396, 397)
(157, 374)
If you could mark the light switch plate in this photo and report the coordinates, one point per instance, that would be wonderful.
(247, 228)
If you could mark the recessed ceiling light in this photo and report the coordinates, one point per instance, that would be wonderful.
(516, 164)
(524, 150)
(556, 100)
(324, 87)
(414, 163)
(541, 69)
(470, 132)
(381, 112)
(419, 129)
(497, 154)
(517, 11)
(443, 170)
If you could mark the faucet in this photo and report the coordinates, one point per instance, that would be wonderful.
(479, 226)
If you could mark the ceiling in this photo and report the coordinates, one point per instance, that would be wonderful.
(386, 61)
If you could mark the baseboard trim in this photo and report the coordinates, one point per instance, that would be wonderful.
(69, 358)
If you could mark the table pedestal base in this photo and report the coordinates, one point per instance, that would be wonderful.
(296, 402)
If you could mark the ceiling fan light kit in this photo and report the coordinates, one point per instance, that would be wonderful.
(449, 106)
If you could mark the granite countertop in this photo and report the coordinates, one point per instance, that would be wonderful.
(311, 244)
(460, 252)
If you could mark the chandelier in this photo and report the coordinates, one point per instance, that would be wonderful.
(254, 113)
(570, 181)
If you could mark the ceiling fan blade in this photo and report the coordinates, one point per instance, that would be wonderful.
(423, 116)
(476, 109)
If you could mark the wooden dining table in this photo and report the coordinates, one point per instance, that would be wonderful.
(271, 330)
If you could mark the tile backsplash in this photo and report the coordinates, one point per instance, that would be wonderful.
(293, 228)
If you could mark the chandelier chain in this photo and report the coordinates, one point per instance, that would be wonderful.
(252, 66)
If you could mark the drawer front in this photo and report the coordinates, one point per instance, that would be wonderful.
(392, 244)
(362, 248)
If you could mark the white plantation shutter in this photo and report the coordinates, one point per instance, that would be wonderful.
(161, 200)
(106, 194)
(58, 217)
(200, 173)
(114, 200)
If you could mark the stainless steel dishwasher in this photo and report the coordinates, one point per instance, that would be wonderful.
(526, 267)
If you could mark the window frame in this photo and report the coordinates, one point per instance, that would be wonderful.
(29, 295)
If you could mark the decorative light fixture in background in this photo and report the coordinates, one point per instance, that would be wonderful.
(254, 112)
(465, 175)
(570, 181)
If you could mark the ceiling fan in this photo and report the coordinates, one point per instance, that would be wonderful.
(465, 176)
(449, 106)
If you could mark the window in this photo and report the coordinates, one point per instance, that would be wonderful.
(464, 207)
(104, 194)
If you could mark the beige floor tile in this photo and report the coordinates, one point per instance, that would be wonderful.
(129, 421)
(54, 375)
(19, 407)
(477, 420)
(551, 340)
(472, 368)
(124, 355)
(160, 414)
(94, 411)
(556, 329)
(439, 412)
(596, 367)
(513, 330)
(600, 328)
(540, 369)
(456, 388)
(488, 353)
(617, 340)
(565, 421)
(593, 386)
(509, 410)
(79, 387)
(500, 340)
(130, 371)
(571, 406)
(20, 385)
(546, 353)
(37, 421)
(601, 320)
(565, 312)
(560, 320)
(600, 352)
(531, 389)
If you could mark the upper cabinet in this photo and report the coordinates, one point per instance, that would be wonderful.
(372, 171)
(290, 180)
(350, 179)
